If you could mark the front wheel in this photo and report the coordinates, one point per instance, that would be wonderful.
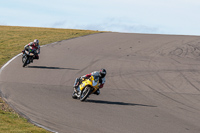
(85, 93)
(24, 60)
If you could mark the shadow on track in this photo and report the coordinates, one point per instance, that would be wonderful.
(117, 103)
(45, 67)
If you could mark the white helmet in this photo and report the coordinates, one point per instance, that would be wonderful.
(36, 42)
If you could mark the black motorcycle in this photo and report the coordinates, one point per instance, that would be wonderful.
(28, 55)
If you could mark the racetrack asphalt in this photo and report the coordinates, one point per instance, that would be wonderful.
(152, 84)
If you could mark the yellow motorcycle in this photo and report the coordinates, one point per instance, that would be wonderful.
(87, 87)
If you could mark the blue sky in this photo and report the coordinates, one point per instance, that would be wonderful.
(130, 16)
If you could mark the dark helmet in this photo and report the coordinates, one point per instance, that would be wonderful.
(36, 42)
(102, 73)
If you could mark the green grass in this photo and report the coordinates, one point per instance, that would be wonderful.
(11, 122)
(12, 41)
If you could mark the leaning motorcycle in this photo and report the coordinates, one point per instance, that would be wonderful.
(28, 55)
(87, 87)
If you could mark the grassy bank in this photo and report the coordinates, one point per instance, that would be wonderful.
(11, 122)
(12, 41)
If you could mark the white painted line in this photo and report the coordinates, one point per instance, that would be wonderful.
(43, 127)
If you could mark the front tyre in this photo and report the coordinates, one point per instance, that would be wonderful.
(24, 60)
(85, 93)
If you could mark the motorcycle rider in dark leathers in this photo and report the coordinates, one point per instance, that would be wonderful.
(35, 45)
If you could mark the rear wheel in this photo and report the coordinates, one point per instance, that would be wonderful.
(85, 93)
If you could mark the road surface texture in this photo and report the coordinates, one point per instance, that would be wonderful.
(152, 84)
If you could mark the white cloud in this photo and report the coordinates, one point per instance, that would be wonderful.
(110, 24)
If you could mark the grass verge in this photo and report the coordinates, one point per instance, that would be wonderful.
(12, 41)
(11, 122)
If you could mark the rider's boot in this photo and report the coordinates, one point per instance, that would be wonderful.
(79, 93)
(76, 87)
(75, 90)
(97, 92)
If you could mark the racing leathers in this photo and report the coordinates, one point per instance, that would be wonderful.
(79, 80)
(33, 45)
